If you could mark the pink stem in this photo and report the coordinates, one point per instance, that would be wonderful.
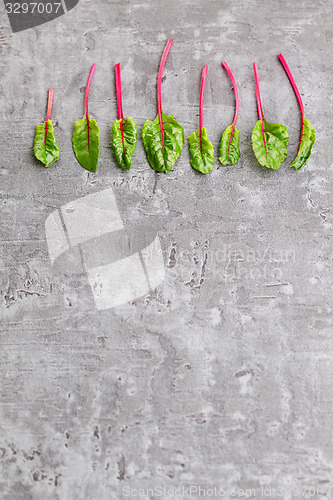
(298, 95)
(202, 91)
(256, 78)
(49, 105)
(292, 81)
(118, 87)
(228, 70)
(119, 102)
(86, 103)
(48, 115)
(87, 89)
(159, 86)
(259, 106)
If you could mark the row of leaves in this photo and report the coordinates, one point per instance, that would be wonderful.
(163, 138)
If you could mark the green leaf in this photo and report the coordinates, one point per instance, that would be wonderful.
(204, 162)
(307, 141)
(229, 146)
(46, 151)
(85, 143)
(173, 134)
(124, 141)
(273, 151)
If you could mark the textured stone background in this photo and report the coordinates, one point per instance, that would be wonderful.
(223, 375)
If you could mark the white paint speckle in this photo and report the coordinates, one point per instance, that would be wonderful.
(215, 316)
(287, 290)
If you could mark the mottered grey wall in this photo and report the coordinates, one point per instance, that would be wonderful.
(221, 375)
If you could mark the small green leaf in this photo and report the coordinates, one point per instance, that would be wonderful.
(229, 146)
(85, 143)
(162, 160)
(203, 162)
(269, 143)
(47, 150)
(307, 141)
(124, 141)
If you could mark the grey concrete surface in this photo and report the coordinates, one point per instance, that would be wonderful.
(221, 376)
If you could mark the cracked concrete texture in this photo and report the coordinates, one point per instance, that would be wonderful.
(222, 376)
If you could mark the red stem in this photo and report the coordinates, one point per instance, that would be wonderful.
(202, 91)
(118, 88)
(159, 85)
(49, 105)
(259, 106)
(87, 89)
(228, 70)
(292, 81)
(48, 115)
(86, 102)
(298, 95)
(119, 102)
(256, 79)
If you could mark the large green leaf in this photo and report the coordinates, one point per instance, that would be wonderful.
(124, 141)
(229, 146)
(163, 159)
(85, 142)
(272, 151)
(203, 161)
(45, 145)
(307, 141)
